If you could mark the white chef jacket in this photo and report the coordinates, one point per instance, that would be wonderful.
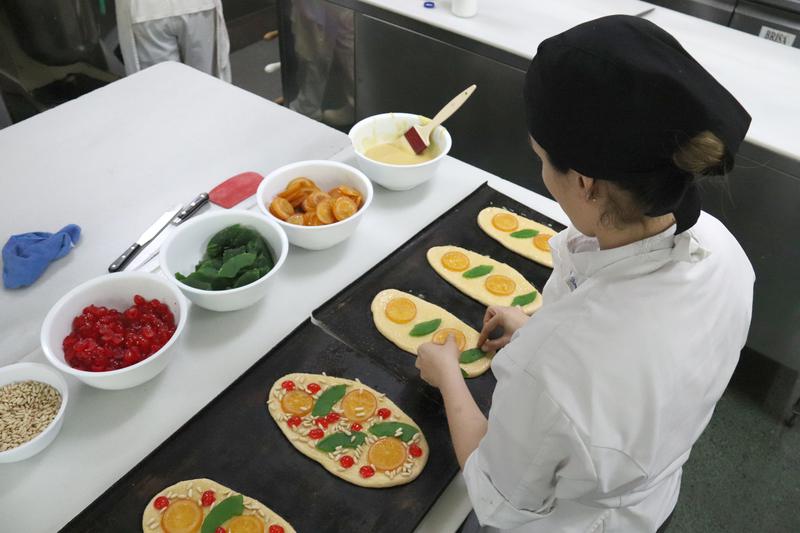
(131, 12)
(603, 392)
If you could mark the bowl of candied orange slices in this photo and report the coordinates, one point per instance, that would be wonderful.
(318, 203)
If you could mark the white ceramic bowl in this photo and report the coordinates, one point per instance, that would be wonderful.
(327, 175)
(385, 128)
(113, 291)
(44, 374)
(184, 249)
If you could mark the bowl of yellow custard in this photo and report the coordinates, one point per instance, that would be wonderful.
(385, 157)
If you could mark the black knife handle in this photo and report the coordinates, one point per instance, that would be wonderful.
(189, 210)
(126, 256)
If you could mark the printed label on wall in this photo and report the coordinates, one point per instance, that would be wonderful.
(781, 37)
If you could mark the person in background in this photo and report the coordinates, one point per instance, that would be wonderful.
(189, 31)
(602, 393)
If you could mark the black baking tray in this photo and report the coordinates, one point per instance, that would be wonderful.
(348, 317)
(234, 440)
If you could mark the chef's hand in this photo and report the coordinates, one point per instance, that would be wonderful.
(439, 362)
(510, 319)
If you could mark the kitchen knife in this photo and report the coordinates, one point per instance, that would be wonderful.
(154, 246)
(149, 234)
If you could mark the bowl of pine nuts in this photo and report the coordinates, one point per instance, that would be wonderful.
(33, 398)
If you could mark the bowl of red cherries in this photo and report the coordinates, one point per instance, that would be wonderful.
(116, 331)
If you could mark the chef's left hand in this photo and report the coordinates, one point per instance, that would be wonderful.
(438, 362)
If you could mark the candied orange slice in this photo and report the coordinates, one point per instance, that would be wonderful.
(542, 242)
(387, 454)
(313, 199)
(299, 196)
(301, 183)
(245, 524)
(281, 208)
(440, 337)
(359, 405)
(296, 219)
(344, 207)
(310, 219)
(297, 402)
(500, 285)
(455, 261)
(400, 310)
(182, 516)
(505, 222)
(325, 212)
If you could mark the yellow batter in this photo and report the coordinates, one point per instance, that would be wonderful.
(398, 153)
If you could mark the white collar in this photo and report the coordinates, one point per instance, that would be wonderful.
(582, 257)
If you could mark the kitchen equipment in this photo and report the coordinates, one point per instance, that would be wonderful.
(327, 175)
(113, 291)
(184, 249)
(385, 128)
(148, 235)
(235, 189)
(44, 374)
(234, 440)
(419, 137)
(152, 248)
(347, 315)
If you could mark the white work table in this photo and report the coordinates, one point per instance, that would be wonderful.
(112, 161)
(764, 76)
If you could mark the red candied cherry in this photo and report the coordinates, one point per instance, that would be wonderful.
(208, 498)
(384, 413)
(287, 385)
(332, 417)
(316, 433)
(162, 502)
(138, 299)
(366, 471)
(415, 450)
(275, 529)
(294, 421)
(355, 426)
(220, 529)
(321, 422)
(346, 461)
(313, 388)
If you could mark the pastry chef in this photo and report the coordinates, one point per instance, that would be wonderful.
(602, 393)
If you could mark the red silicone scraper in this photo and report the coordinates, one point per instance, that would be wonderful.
(235, 189)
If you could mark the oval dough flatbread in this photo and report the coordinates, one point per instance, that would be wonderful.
(523, 247)
(410, 444)
(475, 287)
(426, 311)
(193, 489)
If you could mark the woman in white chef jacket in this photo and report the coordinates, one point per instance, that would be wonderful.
(602, 393)
(189, 31)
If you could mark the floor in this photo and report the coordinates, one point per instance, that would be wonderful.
(247, 69)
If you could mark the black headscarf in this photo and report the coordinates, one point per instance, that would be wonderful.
(614, 97)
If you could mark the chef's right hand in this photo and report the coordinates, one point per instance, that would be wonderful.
(510, 319)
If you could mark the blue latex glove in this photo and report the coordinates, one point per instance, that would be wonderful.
(26, 256)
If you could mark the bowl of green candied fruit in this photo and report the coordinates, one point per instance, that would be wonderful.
(225, 260)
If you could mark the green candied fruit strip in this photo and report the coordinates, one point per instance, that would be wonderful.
(478, 271)
(329, 443)
(221, 240)
(425, 328)
(470, 356)
(525, 234)
(247, 278)
(524, 299)
(327, 399)
(404, 432)
(231, 267)
(222, 512)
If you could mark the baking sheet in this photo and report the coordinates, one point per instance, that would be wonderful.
(348, 317)
(234, 441)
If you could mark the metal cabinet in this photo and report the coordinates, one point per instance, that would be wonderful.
(719, 11)
(779, 25)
